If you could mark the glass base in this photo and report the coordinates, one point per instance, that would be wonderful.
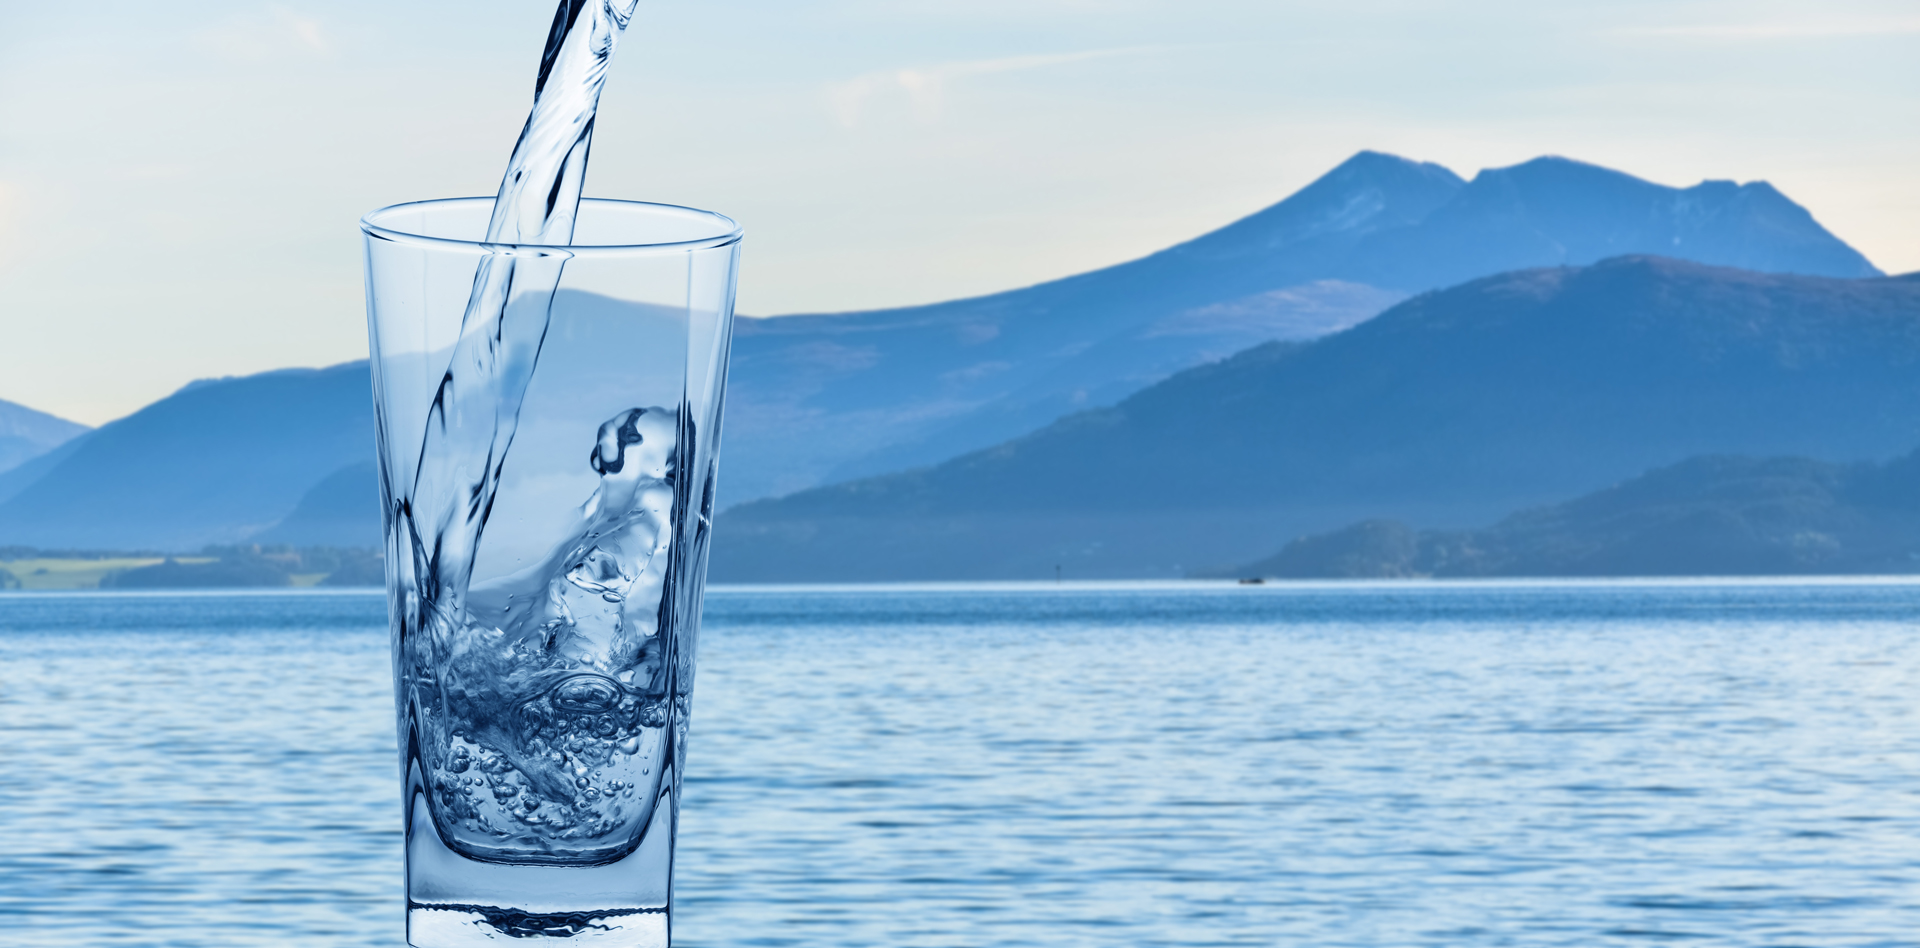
(456, 902)
(447, 926)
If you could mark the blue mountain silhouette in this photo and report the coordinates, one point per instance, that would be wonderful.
(26, 434)
(1448, 410)
(216, 461)
(342, 510)
(819, 397)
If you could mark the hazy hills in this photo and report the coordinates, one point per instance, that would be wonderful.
(1449, 409)
(820, 398)
(342, 510)
(814, 397)
(216, 461)
(26, 434)
(1725, 516)
(280, 457)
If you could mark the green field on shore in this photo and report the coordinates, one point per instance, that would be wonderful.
(215, 567)
(62, 573)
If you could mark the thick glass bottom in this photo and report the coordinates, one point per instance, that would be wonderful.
(458, 926)
(456, 902)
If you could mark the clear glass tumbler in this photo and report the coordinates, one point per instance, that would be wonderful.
(547, 461)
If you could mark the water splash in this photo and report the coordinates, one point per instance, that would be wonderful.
(511, 303)
(539, 700)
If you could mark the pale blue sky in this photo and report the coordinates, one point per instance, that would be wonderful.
(179, 182)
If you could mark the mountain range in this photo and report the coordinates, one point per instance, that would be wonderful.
(1449, 409)
(275, 457)
(821, 398)
(218, 461)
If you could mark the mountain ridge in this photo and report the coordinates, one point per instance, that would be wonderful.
(954, 376)
(1449, 408)
(143, 481)
(27, 433)
(815, 395)
(850, 395)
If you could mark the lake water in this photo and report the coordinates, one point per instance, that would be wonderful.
(1129, 765)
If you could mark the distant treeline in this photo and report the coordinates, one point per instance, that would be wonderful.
(257, 566)
(10, 552)
(224, 567)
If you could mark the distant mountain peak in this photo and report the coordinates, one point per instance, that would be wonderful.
(1557, 164)
(1368, 161)
(1552, 182)
(1370, 191)
(1556, 210)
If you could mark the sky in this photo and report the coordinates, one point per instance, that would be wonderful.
(180, 183)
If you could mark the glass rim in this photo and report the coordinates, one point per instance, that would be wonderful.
(370, 227)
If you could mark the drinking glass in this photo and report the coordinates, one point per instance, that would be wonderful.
(547, 463)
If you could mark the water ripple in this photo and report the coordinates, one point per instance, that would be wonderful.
(1537, 764)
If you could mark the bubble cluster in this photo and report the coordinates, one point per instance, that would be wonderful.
(582, 762)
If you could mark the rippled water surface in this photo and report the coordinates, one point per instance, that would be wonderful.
(1367, 765)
